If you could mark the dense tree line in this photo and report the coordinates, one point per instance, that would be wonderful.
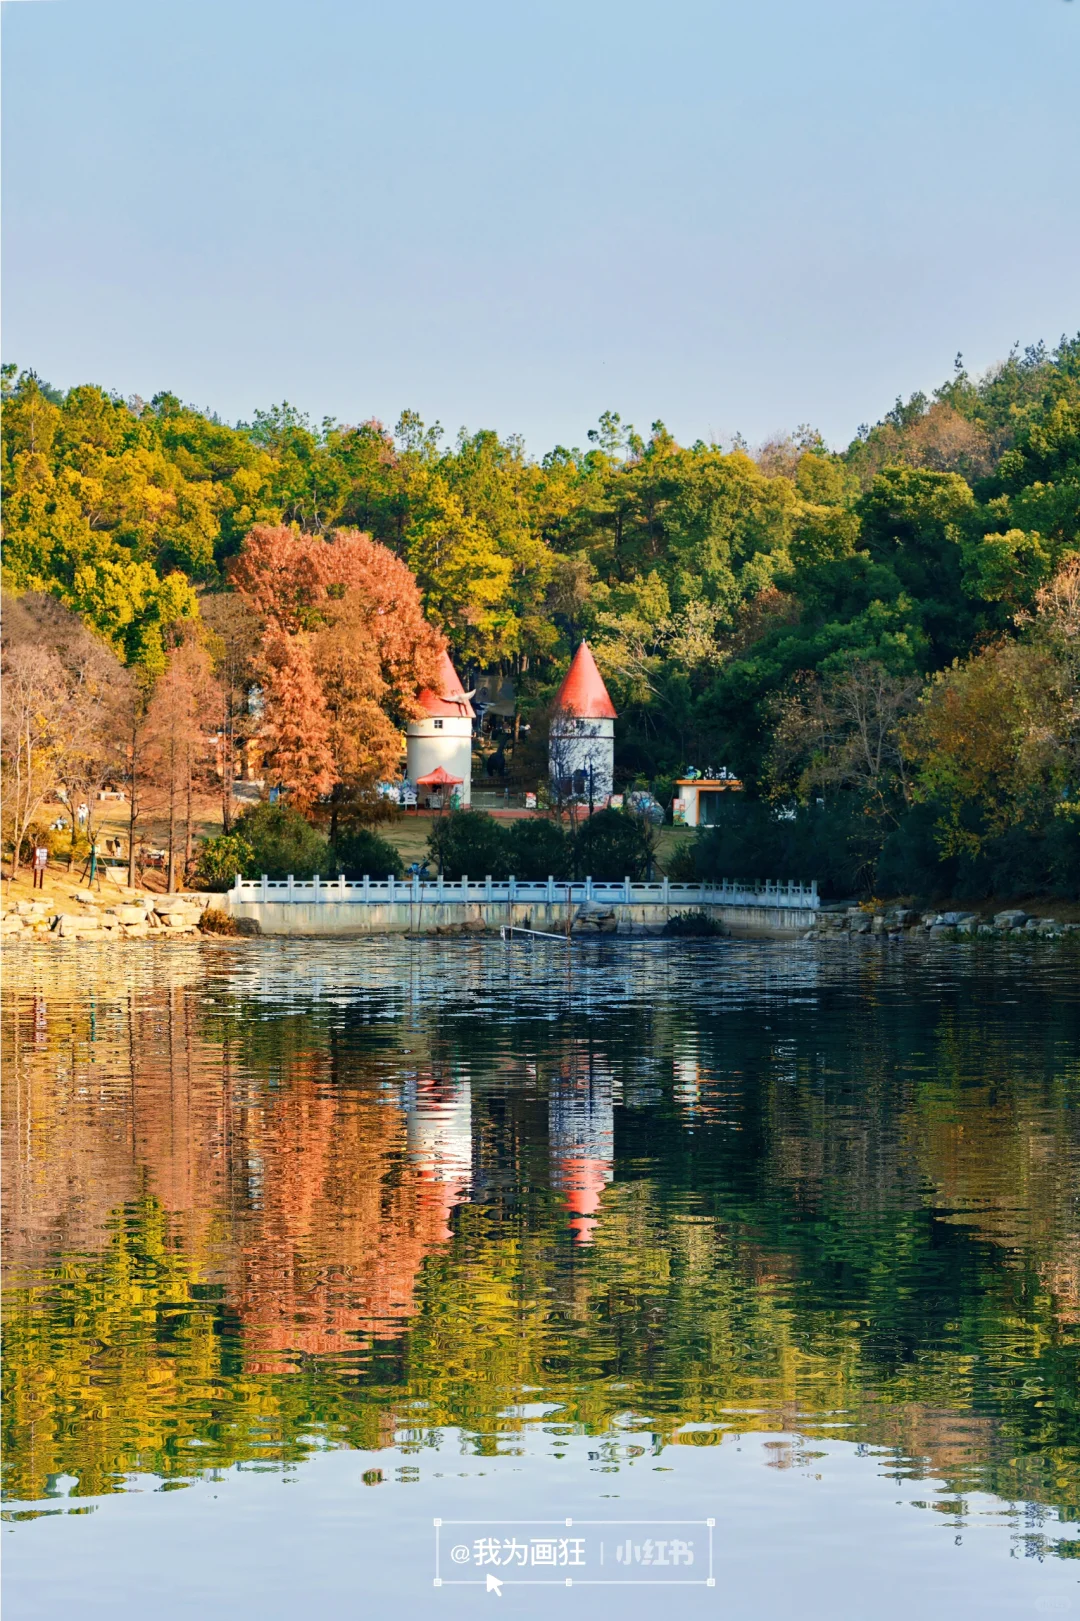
(886, 635)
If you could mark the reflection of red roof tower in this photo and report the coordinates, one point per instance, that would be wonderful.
(450, 699)
(583, 1181)
(581, 1135)
(583, 692)
(440, 1145)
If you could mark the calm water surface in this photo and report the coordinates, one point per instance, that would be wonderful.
(310, 1245)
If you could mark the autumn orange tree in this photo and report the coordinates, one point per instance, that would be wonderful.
(345, 648)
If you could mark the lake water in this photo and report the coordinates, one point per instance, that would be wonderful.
(748, 1269)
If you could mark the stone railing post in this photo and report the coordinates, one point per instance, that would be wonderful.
(512, 887)
(264, 893)
(290, 890)
(487, 887)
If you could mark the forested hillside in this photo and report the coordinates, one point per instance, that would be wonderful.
(884, 640)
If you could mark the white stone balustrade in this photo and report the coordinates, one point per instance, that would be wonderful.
(550, 891)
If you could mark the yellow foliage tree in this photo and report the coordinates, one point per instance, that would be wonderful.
(991, 743)
(464, 579)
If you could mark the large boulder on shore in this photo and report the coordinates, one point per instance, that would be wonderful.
(164, 904)
(130, 914)
(79, 926)
(68, 922)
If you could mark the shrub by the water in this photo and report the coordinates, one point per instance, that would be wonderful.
(222, 858)
(612, 845)
(471, 843)
(214, 921)
(361, 853)
(693, 926)
(609, 846)
(282, 842)
(537, 849)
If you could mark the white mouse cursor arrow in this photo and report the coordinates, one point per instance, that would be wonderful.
(494, 1585)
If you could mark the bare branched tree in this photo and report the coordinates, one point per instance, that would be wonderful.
(234, 646)
(61, 691)
(843, 731)
(179, 716)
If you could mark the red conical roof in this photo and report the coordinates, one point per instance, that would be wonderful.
(450, 698)
(583, 692)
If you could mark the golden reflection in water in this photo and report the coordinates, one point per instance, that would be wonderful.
(226, 1231)
(310, 1204)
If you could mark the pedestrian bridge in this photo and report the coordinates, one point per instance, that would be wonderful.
(320, 906)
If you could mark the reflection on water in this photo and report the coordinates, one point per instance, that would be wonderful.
(581, 1136)
(266, 1197)
(439, 1113)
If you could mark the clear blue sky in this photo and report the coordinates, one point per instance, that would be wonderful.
(731, 214)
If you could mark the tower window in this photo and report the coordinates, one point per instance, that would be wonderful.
(438, 726)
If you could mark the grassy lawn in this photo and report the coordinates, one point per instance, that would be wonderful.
(408, 835)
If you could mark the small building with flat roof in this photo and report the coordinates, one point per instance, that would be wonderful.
(698, 798)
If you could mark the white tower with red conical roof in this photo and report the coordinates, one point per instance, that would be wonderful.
(439, 744)
(581, 741)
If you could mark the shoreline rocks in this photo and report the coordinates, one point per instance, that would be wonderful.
(87, 915)
(899, 923)
(92, 916)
